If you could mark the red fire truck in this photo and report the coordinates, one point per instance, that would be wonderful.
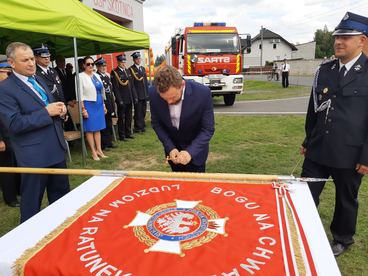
(211, 54)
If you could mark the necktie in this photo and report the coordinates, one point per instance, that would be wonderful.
(341, 73)
(39, 90)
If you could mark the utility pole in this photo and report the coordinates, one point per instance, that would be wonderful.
(261, 62)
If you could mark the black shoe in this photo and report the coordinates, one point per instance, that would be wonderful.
(338, 248)
(122, 139)
(137, 131)
(13, 204)
(112, 146)
(130, 137)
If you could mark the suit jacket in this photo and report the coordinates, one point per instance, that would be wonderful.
(140, 81)
(196, 122)
(53, 83)
(37, 138)
(124, 94)
(338, 136)
(4, 136)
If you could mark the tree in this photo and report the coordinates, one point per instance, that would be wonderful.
(324, 43)
(159, 60)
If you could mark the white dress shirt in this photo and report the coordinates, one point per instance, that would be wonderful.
(285, 67)
(175, 111)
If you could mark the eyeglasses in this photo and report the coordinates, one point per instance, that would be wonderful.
(90, 64)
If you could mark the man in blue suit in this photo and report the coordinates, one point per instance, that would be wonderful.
(182, 117)
(34, 120)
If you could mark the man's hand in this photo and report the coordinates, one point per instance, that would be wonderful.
(2, 146)
(173, 155)
(184, 157)
(362, 169)
(303, 150)
(56, 109)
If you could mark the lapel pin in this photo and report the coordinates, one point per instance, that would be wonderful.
(357, 67)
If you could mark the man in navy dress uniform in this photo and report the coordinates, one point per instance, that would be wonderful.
(106, 134)
(48, 75)
(125, 95)
(34, 120)
(336, 142)
(141, 86)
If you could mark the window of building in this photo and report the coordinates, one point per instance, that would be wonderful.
(260, 46)
(274, 45)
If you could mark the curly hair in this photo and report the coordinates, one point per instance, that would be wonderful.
(166, 77)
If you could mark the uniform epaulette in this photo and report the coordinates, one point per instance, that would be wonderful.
(329, 62)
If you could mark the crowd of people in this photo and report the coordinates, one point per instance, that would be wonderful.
(34, 116)
(33, 113)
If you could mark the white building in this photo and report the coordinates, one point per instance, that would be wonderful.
(275, 47)
(305, 51)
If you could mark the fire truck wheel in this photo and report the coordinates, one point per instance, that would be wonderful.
(229, 99)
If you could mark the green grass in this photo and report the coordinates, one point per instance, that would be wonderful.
(268, 90)
(241, 144)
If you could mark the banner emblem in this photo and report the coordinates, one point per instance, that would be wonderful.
(174, 227)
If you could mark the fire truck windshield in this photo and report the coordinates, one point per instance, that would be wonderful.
(213, 43)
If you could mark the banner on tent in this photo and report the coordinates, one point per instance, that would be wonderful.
(177, 227)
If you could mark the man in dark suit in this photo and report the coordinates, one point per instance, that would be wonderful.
(48, 75)
(336, 127)
(182, 117)
(125, 96)
(141, 87)
(34, 120)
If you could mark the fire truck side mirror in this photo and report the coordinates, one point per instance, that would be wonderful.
(173, 45)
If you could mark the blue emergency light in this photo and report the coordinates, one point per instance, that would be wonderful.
(201, 24)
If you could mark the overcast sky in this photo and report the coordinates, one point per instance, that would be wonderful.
(294, 20)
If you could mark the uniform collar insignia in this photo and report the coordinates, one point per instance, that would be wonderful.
(357, 67)
(333, 66)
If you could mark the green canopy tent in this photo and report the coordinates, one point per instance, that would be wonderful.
(55, 23)
(59, 24)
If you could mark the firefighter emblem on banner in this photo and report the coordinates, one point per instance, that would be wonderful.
(178, 226)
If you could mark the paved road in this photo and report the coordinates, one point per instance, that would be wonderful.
(265, 107)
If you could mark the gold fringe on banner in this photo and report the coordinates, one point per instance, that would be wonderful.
(19, 266)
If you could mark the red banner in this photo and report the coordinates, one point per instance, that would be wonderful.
(172, 227)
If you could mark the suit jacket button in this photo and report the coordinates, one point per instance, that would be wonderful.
(327, 132)
(329, 120)
(334, 96)
(332, 108)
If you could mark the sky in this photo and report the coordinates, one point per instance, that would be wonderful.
(295, 20)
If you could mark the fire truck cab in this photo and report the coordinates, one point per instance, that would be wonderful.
(210, 54)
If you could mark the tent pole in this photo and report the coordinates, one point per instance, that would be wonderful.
(77, 91)
(149, 65)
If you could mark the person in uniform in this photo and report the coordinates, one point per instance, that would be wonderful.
(141, 86)
(106, 134)
(336, 126)
(125, 95)
(285, 71)
(47, 74)
(8, 181)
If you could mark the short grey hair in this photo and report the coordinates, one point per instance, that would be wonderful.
(10, 50)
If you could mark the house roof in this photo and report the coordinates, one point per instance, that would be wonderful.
(267, 34)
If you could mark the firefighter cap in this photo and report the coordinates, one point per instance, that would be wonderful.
(136, 55)
(352, 24)
(100, 61)
(4, 65)
(121, 58)
(41, 51)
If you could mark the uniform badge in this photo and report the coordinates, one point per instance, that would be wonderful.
(333, 66)
(325, 90)
(357, 67)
